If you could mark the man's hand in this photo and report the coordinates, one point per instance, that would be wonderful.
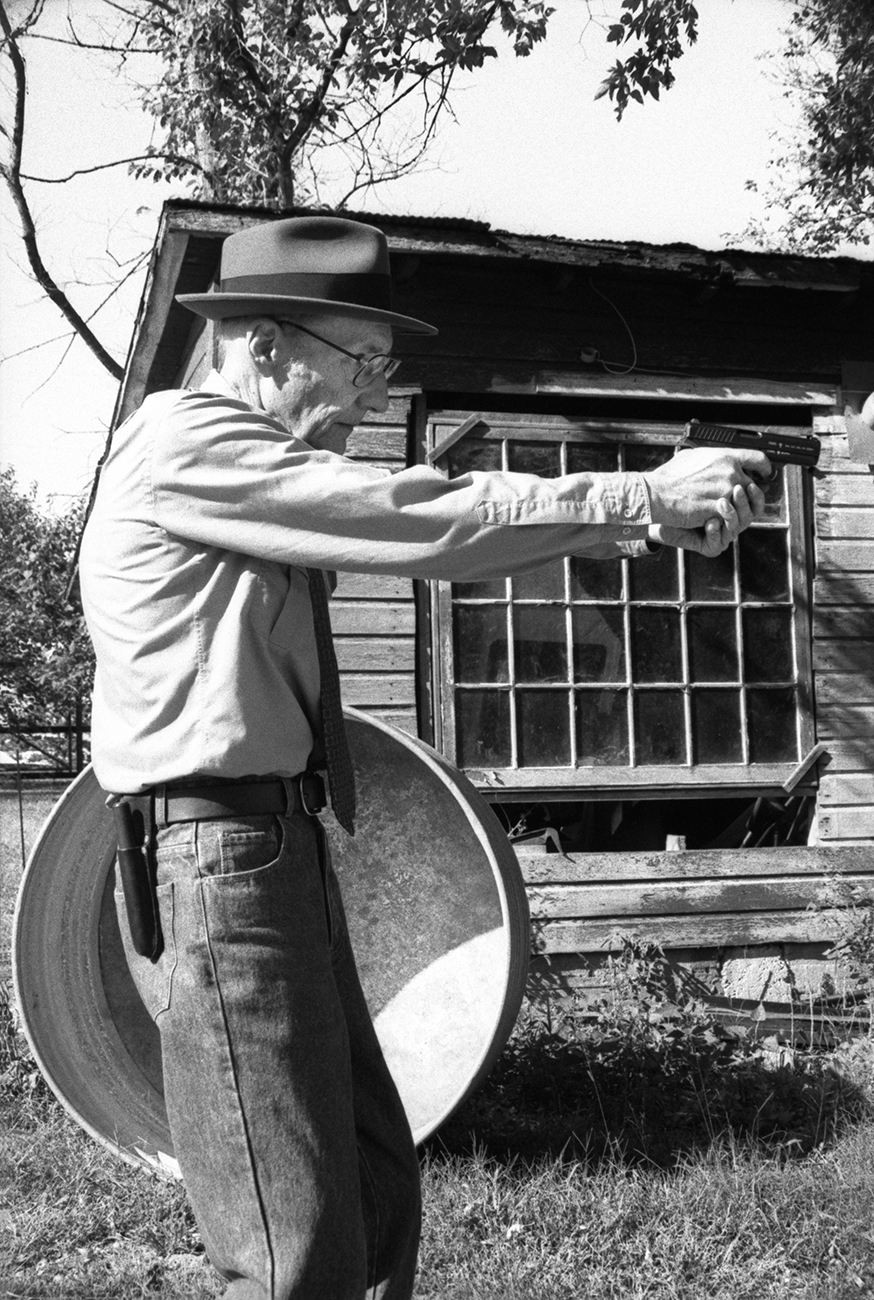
(720, 530)
(699, 484)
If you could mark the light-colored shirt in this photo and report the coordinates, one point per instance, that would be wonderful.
(194, 585)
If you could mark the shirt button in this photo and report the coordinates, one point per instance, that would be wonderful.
(628, 514)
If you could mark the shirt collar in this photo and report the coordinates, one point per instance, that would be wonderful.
(216, 383)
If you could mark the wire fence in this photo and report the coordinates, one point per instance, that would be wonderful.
(35, 750)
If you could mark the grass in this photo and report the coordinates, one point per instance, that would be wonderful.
(642, 1152)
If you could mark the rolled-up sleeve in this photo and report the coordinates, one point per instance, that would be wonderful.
(222, 474)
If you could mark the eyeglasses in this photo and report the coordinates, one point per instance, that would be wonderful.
(369, 368)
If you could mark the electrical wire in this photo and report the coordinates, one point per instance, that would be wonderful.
(610, 366)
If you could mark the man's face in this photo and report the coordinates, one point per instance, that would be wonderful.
(311, 391)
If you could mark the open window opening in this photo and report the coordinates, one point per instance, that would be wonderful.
(658, 825)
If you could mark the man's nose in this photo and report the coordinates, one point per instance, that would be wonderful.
(375, 396)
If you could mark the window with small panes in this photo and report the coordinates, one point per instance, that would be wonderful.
(631, 672)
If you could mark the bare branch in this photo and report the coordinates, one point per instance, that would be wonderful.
(79, 44)
(119, 162)
(11, 174)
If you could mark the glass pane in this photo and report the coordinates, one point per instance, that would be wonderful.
(764, 564)
(495, 589)
(602, 728)
(655, 577)
(596, 579)
(600, 458)
(642, 456)
(771, 725)
(716, 727)
(480, 641)
(712, 645)
(768, 645)
(482, 728)
(655, 645)
(543, 458)
(659, 727)
(545, 583)
(473, 453)
(543, 728)
(599, 643)
(710, 579)
(775, 496)
(540, 643)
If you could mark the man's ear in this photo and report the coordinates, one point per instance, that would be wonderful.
(264, 340)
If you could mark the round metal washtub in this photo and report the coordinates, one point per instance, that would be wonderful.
(438, 918)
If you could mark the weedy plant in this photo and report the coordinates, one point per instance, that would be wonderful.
(853, 909)
(647, 1074)
(19, 1076)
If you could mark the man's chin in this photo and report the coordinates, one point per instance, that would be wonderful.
(333, 438)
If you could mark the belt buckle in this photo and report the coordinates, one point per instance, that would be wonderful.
(311, 787)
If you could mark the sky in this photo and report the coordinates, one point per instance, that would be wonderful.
(530, 150)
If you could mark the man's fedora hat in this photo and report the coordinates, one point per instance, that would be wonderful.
(313, 264)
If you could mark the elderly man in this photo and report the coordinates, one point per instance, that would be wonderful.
(216, 709)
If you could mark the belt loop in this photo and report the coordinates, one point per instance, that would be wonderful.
(288, 782)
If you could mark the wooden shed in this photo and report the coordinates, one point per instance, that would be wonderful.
(679, 749)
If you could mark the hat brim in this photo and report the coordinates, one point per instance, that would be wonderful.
(223, 306)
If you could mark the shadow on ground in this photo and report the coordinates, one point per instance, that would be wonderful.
(650, 1088)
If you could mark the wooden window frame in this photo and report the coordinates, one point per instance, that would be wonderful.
(683, 780)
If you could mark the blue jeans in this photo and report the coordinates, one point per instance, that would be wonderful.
(293, 1143)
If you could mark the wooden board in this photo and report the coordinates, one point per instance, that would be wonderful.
(845, 556)
(845, 688)
(372, 586)
(847, 823)
(540, 867)
(846, 788)
(835, 588)
(856, 656)
(845, 521)
(678, 898)
(363, 654)
(382, 689)
(373, 618)
(845, 720)
(707, 931)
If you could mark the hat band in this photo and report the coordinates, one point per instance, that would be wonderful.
(364, 290)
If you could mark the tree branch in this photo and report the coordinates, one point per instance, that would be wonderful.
(11, 174)
(119, 162)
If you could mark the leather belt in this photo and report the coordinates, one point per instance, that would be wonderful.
(211, 799)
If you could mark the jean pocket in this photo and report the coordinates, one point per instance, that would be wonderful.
(153, 979)
(243, 848)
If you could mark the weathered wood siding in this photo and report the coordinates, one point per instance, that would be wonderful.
(374, 617)
(843, 638)
(199, 361)
(700, 898)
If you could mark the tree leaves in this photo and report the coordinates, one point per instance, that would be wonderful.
(822, 188)
(661, 27)
(46, 660)
(255, 93)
